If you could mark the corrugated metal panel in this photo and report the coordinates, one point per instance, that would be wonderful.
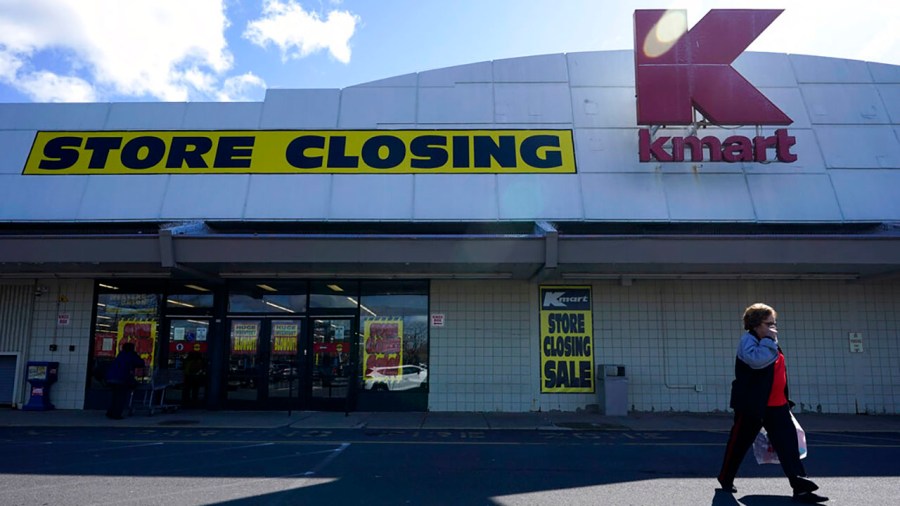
(16, 302)
(7, 378)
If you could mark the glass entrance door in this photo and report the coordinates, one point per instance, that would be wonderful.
(332, 364)
(264, 362)
(246, 361)
(284, 360)
(189, 356)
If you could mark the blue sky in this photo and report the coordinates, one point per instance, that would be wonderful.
(230, 50)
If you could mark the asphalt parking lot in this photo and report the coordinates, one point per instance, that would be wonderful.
(191, 465)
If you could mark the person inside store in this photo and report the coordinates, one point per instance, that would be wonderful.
(120, 377)
(759, 397)
(194, 377)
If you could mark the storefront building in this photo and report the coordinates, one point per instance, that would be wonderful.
(487, 237)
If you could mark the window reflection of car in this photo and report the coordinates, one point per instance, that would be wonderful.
(282, 373)
(405, 377)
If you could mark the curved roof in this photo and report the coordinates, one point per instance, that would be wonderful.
(846, 122)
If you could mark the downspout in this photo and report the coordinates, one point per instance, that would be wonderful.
(167, 249)
(551, 251)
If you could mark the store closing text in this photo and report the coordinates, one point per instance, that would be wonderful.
(409, 151)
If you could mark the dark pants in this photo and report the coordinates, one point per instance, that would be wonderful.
(120, 393)
(190, 389)
(782, 435)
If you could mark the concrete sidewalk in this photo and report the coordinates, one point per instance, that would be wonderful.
(553, 420)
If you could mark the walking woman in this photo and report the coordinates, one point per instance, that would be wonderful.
(759, 397)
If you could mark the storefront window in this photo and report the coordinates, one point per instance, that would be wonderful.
(394, 337)
(122, 318)
(334, 295)
(189, 301)
(284, 298)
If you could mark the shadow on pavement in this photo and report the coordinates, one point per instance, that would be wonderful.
(723, 498)
(767, 500)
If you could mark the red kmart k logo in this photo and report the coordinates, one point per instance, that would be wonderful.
(676, 69)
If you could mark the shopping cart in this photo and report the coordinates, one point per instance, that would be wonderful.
(152, 391)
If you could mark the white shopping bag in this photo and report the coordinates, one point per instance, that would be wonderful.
(765, 453)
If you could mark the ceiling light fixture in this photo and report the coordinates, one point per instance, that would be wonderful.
(276, 306)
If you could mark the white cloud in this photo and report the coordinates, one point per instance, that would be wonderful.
(299, 33)
(44, 86)
(164, 49)
(241, 88)
(9, 65)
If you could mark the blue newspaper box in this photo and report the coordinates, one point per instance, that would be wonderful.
(41, 375)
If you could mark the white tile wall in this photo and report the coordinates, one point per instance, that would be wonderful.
(74, 298)
(482, 359)
(677, 340)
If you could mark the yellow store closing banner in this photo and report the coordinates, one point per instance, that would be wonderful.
(302, 152)
(567, 340)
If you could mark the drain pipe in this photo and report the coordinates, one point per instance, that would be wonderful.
(551, 251)
(664, 333)
(167, 248)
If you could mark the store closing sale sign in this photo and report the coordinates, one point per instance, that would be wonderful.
(567, 340)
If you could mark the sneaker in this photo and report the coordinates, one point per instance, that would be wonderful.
(809, 497)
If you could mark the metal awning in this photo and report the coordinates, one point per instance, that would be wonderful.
(541, 251)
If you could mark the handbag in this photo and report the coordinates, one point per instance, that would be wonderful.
(765, 453)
